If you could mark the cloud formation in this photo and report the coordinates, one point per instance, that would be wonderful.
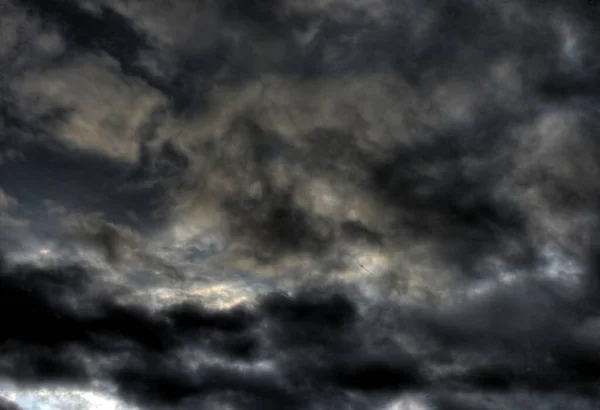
(8, 405)
(307, 349)
(282, 204)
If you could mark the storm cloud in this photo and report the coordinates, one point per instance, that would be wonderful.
(365, 204)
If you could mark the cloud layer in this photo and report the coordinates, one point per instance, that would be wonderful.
(314, 348)
(332, 204)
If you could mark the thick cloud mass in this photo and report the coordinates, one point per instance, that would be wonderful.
(331, 204)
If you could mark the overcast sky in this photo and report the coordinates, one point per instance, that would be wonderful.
(300, 204)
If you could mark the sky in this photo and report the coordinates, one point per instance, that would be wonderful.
(291, 204)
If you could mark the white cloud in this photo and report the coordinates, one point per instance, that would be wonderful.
(65, 399)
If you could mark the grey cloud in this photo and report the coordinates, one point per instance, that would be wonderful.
(8, 221)
(260, 142)
(6, 202)
(116, 242)
(454, 142)
(317, 345)
(8, 405)
(466, 401)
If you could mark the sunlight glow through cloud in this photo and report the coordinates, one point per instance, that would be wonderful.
(65, 399)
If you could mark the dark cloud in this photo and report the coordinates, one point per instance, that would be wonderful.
(446, 151)
(443, 191)
(436, 195)
(8, 405)
(268, 15)
(318, 342)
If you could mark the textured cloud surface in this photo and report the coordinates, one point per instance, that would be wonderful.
(331, 204)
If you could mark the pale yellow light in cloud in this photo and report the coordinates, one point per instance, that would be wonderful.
(215, 296)
(109, 110)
